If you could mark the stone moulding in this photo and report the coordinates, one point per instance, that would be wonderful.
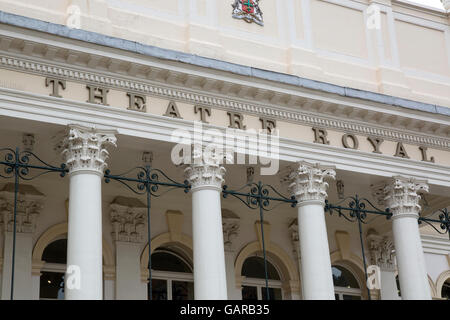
(219, 102)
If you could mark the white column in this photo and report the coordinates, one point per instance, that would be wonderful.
(309, 188)
(403, 201)
(209, 260)
(85, 154)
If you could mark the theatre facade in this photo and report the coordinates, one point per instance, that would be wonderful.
(224, 150)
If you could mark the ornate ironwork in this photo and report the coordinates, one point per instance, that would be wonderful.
(146, 181)
(18, 165)
(444, 221)
(258, 197)
(357, 210)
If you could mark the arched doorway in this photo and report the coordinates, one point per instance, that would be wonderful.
(254, 285)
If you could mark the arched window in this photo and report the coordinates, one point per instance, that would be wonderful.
(254, 285)
(172, 277)
(445, 292)
(52, 275)
(346, 286)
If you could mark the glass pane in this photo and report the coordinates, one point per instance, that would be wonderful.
(274, 294)
(446, 290)
(56, 252)
(159, 289)
(182, 290)
(51, 285)
(336, 296)
(249, 293)
(254, 268)
(343, 278)
(349, 297)
(164, 261)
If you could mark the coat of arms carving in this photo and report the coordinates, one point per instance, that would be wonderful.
(248, 10)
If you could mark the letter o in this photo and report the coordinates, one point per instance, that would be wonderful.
(354, 140)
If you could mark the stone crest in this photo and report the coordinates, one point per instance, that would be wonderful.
(248, 10)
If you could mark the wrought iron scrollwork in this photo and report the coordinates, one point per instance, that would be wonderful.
(258, 196)
(444, 221)
(356, 210)
(21, 165)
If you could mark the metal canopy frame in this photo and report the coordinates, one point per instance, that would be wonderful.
(358, 208)
(258, 197)
(17, 164)
(145, 180)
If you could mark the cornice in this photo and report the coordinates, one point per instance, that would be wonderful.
(220, 101)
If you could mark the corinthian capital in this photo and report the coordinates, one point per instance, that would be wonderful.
(86, 148)
(381, 251)
(307, 181)
(206, 170)
(401, 196)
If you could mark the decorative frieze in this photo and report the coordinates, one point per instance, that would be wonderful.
(374, 131)
(307, 181)
(230, 231)
(28, 208)
(401, 196)
(128, 219)
(381, 251)
(86, 148)
(230, 227)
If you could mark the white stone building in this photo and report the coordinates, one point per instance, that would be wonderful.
(354, 93)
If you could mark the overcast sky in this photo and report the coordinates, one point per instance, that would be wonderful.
(430, 3)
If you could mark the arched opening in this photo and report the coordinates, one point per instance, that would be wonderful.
(346, 286)
(254, 285)
(445, 291)
(172, 277)
(52, 274)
